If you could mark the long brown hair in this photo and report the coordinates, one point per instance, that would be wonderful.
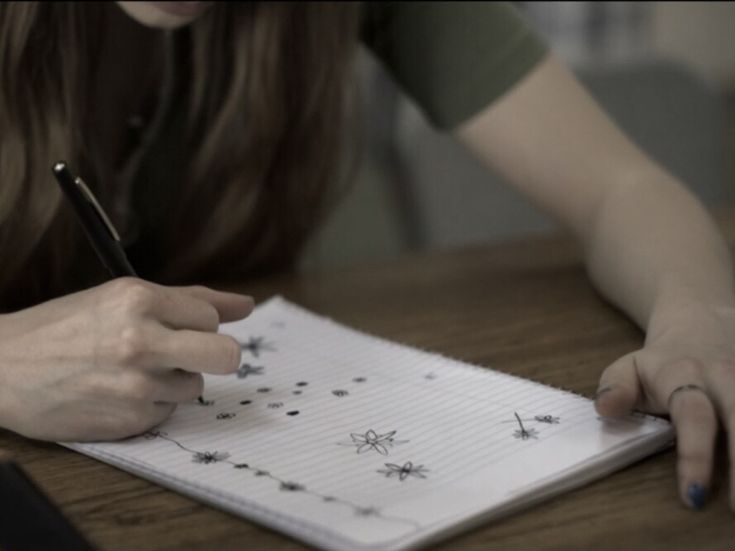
(259, 149)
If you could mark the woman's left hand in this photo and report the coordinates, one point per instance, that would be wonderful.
(686, 369)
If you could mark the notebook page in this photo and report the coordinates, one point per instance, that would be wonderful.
(349, 441)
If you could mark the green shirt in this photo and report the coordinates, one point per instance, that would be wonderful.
(452, 58)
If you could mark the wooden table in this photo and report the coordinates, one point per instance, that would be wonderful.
(525, 308)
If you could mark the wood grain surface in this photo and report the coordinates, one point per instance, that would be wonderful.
(523, 307)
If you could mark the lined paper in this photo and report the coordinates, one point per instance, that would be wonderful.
(348, 441)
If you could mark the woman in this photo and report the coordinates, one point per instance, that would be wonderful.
(234, 119)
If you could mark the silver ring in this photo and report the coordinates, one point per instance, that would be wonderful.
(684, 388)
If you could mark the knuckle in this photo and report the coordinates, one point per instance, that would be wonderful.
(686, 364)
(198, 289)
(724, 367)
(136, 296)
(683, 368)
(211, 318)
(132, 347)
(138, 388)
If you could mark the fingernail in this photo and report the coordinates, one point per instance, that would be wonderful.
(602, 391)
(697, 495)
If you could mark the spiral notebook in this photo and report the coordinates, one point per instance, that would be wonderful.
(347, 441)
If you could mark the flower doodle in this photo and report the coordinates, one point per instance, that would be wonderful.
(403, 471)
(371, 440)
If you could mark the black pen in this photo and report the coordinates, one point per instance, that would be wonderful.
(100, 231)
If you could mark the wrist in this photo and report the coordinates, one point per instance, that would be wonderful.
(682, 304)
(674, 289)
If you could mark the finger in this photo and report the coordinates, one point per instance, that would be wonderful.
(167, 305)
(619, 389)
(198, 352)
(720, 380)
(695, 420)
(679, 388)
(131, 423)
(177, 386)
(229, 306)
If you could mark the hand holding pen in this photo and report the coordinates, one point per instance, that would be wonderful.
(113, 360)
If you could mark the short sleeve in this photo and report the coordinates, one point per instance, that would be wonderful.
(452, 58)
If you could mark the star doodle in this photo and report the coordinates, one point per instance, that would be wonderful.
(403, 471)
(256, 345)
(205, 458)
(246, 369)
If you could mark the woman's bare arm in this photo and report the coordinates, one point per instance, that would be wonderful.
(650, 248)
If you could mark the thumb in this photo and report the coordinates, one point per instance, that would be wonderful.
(619, 390)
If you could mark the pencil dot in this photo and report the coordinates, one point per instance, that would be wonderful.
(302, 383)
(359, 379)
(275, 405)
(340, 393)
(264, 389)
(297, 392)
(246, 402)
(292, 413)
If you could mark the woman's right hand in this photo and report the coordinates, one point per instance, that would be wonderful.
(114, 360)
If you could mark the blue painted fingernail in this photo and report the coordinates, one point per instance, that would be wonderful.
(697, 495)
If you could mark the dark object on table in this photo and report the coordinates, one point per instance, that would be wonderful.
(29, 520)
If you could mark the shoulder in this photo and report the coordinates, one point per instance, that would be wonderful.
(452, 58)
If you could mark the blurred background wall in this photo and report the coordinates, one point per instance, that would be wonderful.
(664, 71)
